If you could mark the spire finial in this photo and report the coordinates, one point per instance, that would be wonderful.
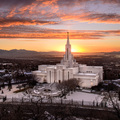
(68, 38)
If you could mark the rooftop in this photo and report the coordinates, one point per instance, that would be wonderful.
(87, 74)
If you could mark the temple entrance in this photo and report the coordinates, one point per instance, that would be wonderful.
(59, 81)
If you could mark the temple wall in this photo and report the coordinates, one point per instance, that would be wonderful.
(92, 69)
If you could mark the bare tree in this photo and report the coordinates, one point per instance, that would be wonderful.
(114, 100)
(68, 85)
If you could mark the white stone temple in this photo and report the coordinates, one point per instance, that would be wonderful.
(68, 68)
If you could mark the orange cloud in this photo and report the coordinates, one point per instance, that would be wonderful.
(57, 9)
(16, 22)
(12, 13)
(58, 34)
(93, 17)
(28, 7)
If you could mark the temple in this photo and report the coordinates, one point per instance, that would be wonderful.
(68, 68)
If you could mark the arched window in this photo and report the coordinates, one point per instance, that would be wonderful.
(59, 74)
(68, 75)
(67, 53)
(50, 76)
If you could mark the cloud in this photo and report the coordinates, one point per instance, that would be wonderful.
(50, 36)
(50, 10)
(111, 32)
(15, 2)
(60, 2)
(111, 1)
(18, 21)
(18, 18)
(46, 33)
(20, 7)
(93, 17)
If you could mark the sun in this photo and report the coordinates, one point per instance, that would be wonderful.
(73, 50)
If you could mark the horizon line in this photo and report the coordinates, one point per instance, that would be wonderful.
(58, 51)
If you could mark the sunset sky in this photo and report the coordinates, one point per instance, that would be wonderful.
(41, 25)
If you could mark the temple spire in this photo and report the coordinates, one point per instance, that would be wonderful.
(68, 38)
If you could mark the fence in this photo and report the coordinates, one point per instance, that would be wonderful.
(55, 102)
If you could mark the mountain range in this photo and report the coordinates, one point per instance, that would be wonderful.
(23, 54)
(28, 54)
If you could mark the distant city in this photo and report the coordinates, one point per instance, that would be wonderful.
(16, 68)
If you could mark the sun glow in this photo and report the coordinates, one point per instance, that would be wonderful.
(75, 47)
(74, 50)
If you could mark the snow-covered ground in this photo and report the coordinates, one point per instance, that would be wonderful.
(76, 96)
(10, 94)
(82, 96)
